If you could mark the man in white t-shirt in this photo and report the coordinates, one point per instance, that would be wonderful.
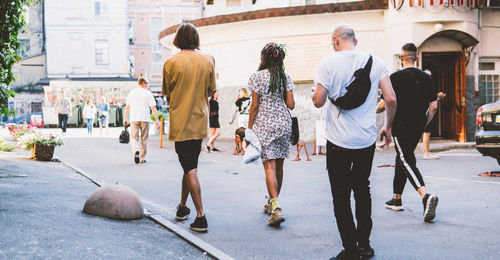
(139, 102)
(351, 136)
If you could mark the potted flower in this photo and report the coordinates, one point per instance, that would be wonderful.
(18, 130)
(41, 145)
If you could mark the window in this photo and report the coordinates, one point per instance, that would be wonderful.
(131, 31)
(26, 11)
(156, 49)
(486, 66)
(24, 50)
(101, 52)
(489, 81)
(100, 8)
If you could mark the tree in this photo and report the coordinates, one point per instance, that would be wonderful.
(11, 14)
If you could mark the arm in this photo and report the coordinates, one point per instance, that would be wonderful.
(433, 106)
(381, 106)
(319, 96)
(165, 88)
(155, 114)
(127, 109)
(289, 101)
(390, 109)
(254, 109)
(233, 117)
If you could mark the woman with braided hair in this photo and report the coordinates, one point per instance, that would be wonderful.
(272, 96)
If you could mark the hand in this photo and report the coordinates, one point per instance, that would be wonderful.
(385, 133)
(157, 124)
(441, 95)
(125, 123)
(230, 123)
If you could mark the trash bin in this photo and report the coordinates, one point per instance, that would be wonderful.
(112, 118)
(75, 119)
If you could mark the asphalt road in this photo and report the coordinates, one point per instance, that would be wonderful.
(466, 226)
(41, 218)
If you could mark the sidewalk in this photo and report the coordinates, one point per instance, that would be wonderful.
(41, 218)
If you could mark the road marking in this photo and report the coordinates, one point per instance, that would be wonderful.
(460, 154)
(180, 232)
(490, 182)
(458, 180)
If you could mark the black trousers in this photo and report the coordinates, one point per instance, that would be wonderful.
(349, 170)
(406, 164)
(63, 121)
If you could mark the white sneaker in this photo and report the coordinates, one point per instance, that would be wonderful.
(430, 157)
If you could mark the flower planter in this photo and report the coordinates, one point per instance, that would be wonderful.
(42, 152)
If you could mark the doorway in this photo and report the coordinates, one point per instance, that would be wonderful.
(448, 73)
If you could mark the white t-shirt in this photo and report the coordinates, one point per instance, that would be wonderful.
(355, 128)
(140, 101)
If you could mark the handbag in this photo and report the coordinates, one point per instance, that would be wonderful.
(294, 138)
(124, 136)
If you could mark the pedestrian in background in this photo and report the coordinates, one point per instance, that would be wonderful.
(272, 96)
(351, 136)
(140, 102)
(103, 114)
(242, 110)
(213, 122)
(417, 105)
(63, 110)
(88, 115)
(188, 82)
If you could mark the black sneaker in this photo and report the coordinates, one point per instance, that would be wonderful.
(208, 148)
(430, 202)
(366, 252)
(199, 224)
(182, 213)
(215, 149)
(343, 256)
(394, 204)
(136, 157)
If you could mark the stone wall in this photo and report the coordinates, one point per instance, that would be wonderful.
(473, 103)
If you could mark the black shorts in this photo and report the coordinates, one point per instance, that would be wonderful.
(214, 122)
(188, 153)
(432, 126)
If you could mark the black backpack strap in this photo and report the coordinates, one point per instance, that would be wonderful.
(368, 66)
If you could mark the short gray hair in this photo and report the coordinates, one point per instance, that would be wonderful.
(345, 32)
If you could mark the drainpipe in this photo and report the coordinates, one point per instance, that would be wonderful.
(44, 49)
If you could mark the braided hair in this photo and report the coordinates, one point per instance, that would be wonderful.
(272, 56)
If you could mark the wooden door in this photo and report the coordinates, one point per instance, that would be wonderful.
(448, 73)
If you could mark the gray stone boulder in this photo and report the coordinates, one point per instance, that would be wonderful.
(114, 201)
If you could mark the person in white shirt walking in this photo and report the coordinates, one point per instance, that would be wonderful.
(139, 102)
(88, 115)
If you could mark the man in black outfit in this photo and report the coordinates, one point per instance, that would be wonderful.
(416, 95)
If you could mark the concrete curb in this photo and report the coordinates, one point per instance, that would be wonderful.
(178, 231)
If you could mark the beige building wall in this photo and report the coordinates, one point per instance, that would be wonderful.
(236, 47)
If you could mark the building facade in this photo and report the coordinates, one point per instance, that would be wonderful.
(30, 69)
(146, 19)
(87, 53)
(457, 41)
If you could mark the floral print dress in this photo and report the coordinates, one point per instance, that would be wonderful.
(273, 124)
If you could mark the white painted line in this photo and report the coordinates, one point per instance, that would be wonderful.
(460, 154)
(490, 182)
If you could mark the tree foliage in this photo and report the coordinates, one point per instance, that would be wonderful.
(11, 15)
